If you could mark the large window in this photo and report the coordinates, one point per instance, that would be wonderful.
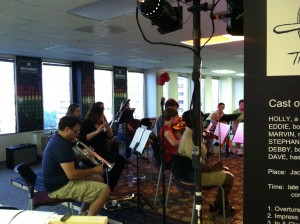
(104, 91)
(56, 93)
(183, 94)
(135, 89)
(7, 98)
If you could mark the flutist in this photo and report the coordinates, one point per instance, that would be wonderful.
(95, 132)
(62, 176)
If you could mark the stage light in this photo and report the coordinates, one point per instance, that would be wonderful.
(162, 14)
(235, 25)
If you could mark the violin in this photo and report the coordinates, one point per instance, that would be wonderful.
(179, 126)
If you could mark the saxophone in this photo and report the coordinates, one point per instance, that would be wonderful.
(90, 154)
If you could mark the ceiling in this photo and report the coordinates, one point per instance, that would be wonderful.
(106, 32)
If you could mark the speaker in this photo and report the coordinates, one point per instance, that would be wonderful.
(22, 153)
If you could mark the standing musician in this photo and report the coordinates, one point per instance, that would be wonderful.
(95, 132)
(62, 177)
(215, 117)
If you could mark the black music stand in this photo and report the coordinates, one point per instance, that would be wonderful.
(138, 144)
(229, 117)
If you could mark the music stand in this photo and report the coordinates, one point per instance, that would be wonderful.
(137, 145)
(229, 118)
(205, 116)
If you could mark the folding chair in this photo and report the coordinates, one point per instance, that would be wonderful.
(182, 172)
(40, 198)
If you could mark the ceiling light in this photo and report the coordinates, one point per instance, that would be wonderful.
(223, 71)
(227, 38)
(240, 74)
(162, 14)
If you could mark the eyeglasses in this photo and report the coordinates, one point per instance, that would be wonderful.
(75, 131)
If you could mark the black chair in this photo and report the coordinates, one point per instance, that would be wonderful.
(38, 198)
(182, 175)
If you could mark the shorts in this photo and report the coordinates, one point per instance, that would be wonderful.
(214, 178)
(84, 190)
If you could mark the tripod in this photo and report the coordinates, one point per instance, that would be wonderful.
(139, 141)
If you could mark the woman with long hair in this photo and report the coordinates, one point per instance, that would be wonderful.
(95, 132)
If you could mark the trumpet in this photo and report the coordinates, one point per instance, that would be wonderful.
(90, 154)
(122, 203)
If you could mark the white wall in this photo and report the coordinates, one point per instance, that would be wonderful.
(238, 92)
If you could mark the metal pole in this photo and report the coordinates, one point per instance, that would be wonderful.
(196, 101)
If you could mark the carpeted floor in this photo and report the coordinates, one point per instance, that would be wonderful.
(179, 209)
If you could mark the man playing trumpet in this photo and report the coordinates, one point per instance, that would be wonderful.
(62, 176)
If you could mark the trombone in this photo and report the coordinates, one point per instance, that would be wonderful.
(90, 154)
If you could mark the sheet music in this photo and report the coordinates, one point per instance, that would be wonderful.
(141, 137)
(221, 131)
(239, 134)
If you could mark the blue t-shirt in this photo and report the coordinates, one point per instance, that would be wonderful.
(57, 151)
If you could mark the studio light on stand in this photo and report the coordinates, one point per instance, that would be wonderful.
(167, 17)
(236, 18)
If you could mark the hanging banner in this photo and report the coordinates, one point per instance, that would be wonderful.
(120, 87)
(29, 93)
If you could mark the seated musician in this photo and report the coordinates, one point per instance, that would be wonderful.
(74, 110)
(170, 103)
(212, 175)
(235, 124)
(62, 177)
(94, 132)
(126, 130)
(215, 117)
(168, 139)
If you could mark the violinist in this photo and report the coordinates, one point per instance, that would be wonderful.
(212, 174)
(167, 137)
(170, 103)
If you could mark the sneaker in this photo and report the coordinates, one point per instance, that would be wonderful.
(215, 208)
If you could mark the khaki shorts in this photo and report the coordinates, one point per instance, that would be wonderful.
(87, 190)
(214, 178)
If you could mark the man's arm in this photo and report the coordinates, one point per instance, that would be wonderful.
(74, 174)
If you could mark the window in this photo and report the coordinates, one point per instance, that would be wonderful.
(135, 90)
(7, 97)
(56, 93)
(104, 91)
(183, 94)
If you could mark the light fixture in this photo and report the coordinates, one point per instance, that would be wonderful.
(162, 14)
(223, 71)
(222, 39)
